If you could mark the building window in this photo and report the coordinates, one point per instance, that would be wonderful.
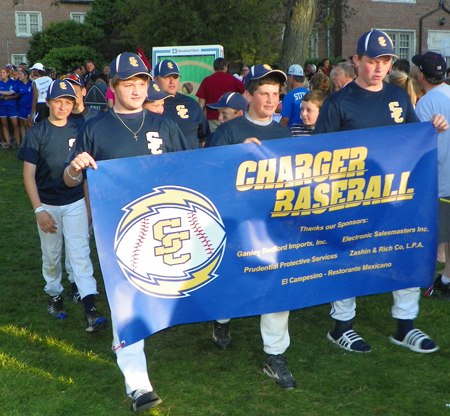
(17, 59)
(27, 23)
(404, 43)
(78, 17)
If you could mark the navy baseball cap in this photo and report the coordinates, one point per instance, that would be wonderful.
(232, 100)
(60, 88)
(166, 68)
(155, 93)
(128, 65)
(74, 79)
(262, 70)
(374, 44)
(431, 64)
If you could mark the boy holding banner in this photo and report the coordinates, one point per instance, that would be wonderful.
(262, 90)
(126, 130)
(364, 103)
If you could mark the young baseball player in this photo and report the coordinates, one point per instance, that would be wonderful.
(309, 111)
(262, 90)
(126, 130)
(80, 112)
(370, 102)
(230, 106)
(154, 101)
(60, 211)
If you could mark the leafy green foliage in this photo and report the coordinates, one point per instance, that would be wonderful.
(63, 35)
(65, 59)
(249, 30)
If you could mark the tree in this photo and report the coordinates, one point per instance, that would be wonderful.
(67, 58)
(300, 18)
(61, 35)
(107, 16)
(249, 30)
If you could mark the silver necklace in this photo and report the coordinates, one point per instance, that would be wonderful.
(135, 133)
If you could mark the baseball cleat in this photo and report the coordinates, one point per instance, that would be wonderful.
(275, 367)
(350, 341)
(94, 321)
(221, 335)
(56, 308)
(439, 290)
(144, 399)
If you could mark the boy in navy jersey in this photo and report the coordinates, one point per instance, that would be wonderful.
(369, 102)
(262, 91)
(60, 210)
(126, 130)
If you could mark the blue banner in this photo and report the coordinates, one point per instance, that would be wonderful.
(245, 229)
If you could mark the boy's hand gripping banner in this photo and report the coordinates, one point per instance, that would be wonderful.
(245, 229)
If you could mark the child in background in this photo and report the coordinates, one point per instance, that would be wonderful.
(230, 106)
(310, 109)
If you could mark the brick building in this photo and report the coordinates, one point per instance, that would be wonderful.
(18, 23)
(414, 26)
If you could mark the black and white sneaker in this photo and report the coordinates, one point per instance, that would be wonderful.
(276, 368)
(440, 290)
(56, 308)
(144, 399)
(221, 335)
(94, 321)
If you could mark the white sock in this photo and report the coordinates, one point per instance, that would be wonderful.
(444, 279)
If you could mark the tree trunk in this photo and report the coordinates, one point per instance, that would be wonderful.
(300, 19)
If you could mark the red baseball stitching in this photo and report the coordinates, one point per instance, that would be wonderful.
(143, 231)
(195, 225)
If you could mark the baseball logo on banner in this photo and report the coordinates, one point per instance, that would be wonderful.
(170, 242)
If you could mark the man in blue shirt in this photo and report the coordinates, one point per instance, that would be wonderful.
(290, 113)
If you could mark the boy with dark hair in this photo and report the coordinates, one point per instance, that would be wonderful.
(60, 210)
(80, 113)
(262, 91)
(263, 86)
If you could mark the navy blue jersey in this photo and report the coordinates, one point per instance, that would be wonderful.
(240, 128)
(353, 108)
(189, 117)
(105, 137)
(86, 115)
(47, 146)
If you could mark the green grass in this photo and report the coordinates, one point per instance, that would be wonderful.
(53, 368)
